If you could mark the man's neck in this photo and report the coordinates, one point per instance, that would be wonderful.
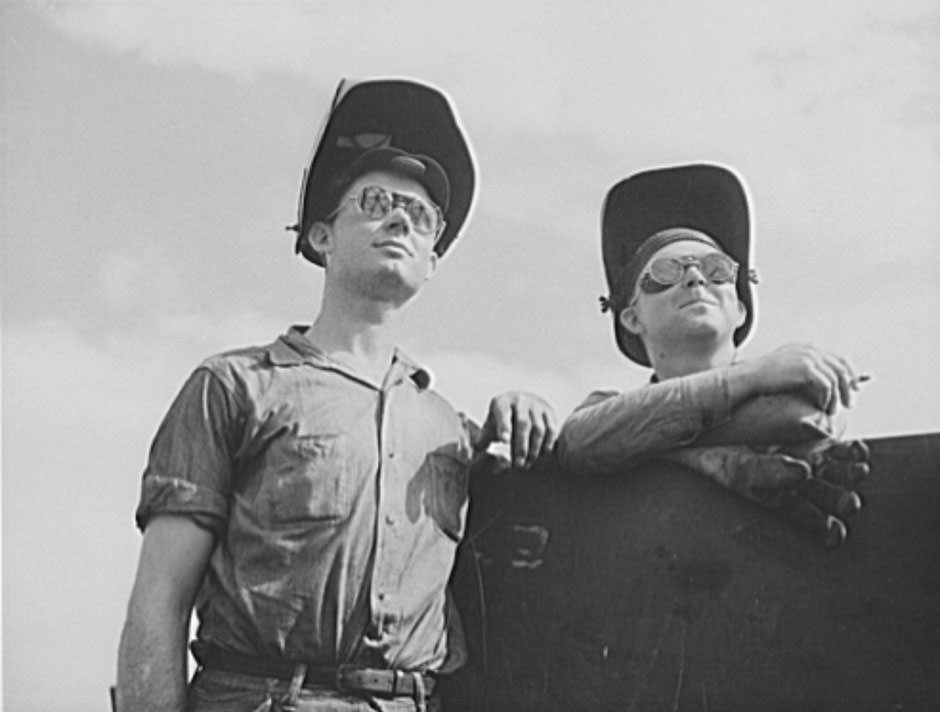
(360, 332)
(674, 362)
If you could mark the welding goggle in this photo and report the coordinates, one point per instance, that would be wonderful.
(664, 272)
(376, 202)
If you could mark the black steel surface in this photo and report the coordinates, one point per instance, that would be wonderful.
(657, 590)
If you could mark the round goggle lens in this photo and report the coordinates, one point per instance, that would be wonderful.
(715, 267)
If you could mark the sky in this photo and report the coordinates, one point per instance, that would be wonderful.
(150, 157)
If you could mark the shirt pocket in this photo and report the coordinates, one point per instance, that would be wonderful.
(309, 483)
(449, 485)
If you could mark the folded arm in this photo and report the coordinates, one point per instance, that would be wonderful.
(611, 428)
(790, 395)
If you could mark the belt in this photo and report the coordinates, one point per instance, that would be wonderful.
(351, 678)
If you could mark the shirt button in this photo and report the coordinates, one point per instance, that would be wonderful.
(390, 520)
(391, 456)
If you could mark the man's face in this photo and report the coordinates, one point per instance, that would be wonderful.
(385, 257)
(692, 310)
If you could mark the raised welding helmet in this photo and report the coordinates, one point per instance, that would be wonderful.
(419, 128)
(702, 197)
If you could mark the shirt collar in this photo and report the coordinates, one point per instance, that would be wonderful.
(294, 349)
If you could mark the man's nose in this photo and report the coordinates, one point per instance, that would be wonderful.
(398, 222)
(693, 276)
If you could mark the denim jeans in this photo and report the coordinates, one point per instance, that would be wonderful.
(220, 691)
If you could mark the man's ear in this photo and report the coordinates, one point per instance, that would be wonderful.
(432, 265)
(630, 321)
(742, 314)
(320, 238)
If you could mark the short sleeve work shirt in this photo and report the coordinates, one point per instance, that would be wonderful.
(337, 503)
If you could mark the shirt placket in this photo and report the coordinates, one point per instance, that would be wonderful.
(391, 546)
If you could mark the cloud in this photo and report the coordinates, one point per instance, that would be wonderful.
(119, 277)
(857, 61)
(241, 38)
(470, 380)
(79, 416)
(557, 77)
(76, 418)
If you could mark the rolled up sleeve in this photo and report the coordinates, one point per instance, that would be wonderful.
(189, 470)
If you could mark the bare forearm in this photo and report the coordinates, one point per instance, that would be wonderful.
(152, 663)
(152, 652)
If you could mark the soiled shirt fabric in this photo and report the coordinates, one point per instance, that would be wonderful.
(337, 504)
(611, 427)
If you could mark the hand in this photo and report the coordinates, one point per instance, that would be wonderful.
(523, 421)
(765, 478)
(838, 468)
(844, 463)
(827, 379)
(810, 485)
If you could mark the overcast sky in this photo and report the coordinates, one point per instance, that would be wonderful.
(152, 152)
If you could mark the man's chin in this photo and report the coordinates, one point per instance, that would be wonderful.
(391, 281)
(701, 328)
